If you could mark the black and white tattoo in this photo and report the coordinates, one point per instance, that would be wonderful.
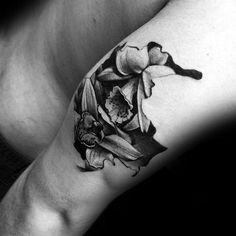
(109, 119)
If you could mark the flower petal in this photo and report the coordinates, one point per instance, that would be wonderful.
(99, 91)
(153, 72)
(89, 101)
(124, 135)
(144, 122)
(107, 119)
(120, 147)
(97, 156)
(119, 106)
(131, 60)
(104, 116)
(109, 75)
(159, 71)
(157, 57)
(130, 89)
(147, 83)
(133, 124)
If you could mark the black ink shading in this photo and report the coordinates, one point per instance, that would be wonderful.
(109, 120)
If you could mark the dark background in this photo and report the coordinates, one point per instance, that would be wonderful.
(12, 10)
(191, 193)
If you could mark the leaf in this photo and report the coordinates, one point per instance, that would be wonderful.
(132, 125)
(132, 165)
(150, 148)
(144, 122)
(78, 97)
(130, 89)
(97, 156)
(120, 147)
(93, 78)
(89, 101)
(110, 75)
(99, 91)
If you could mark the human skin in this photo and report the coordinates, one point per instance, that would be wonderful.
(54, 188)
(45, 54)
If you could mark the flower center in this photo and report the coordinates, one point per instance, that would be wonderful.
(118, 107)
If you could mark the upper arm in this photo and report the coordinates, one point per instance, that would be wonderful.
(165, 102)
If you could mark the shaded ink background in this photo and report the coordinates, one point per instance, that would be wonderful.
(187, 195)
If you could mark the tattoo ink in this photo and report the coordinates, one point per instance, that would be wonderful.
(109, 120)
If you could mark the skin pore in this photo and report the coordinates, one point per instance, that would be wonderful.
(180, 107)
(46, 54)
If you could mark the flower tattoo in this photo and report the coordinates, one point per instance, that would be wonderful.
(88, 130)
(119, 108)
(109, 119)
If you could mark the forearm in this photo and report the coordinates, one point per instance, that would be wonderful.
(178, 107)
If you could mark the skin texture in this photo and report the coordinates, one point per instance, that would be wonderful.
(45, 54)
(179, 108)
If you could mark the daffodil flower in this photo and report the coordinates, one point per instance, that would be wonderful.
(95, 130)
(142, 65)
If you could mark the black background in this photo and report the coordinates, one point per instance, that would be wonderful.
(191, 194)
(188, 195)
(12, 10)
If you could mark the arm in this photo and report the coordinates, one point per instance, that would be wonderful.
(52, 48)
(65, 186)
